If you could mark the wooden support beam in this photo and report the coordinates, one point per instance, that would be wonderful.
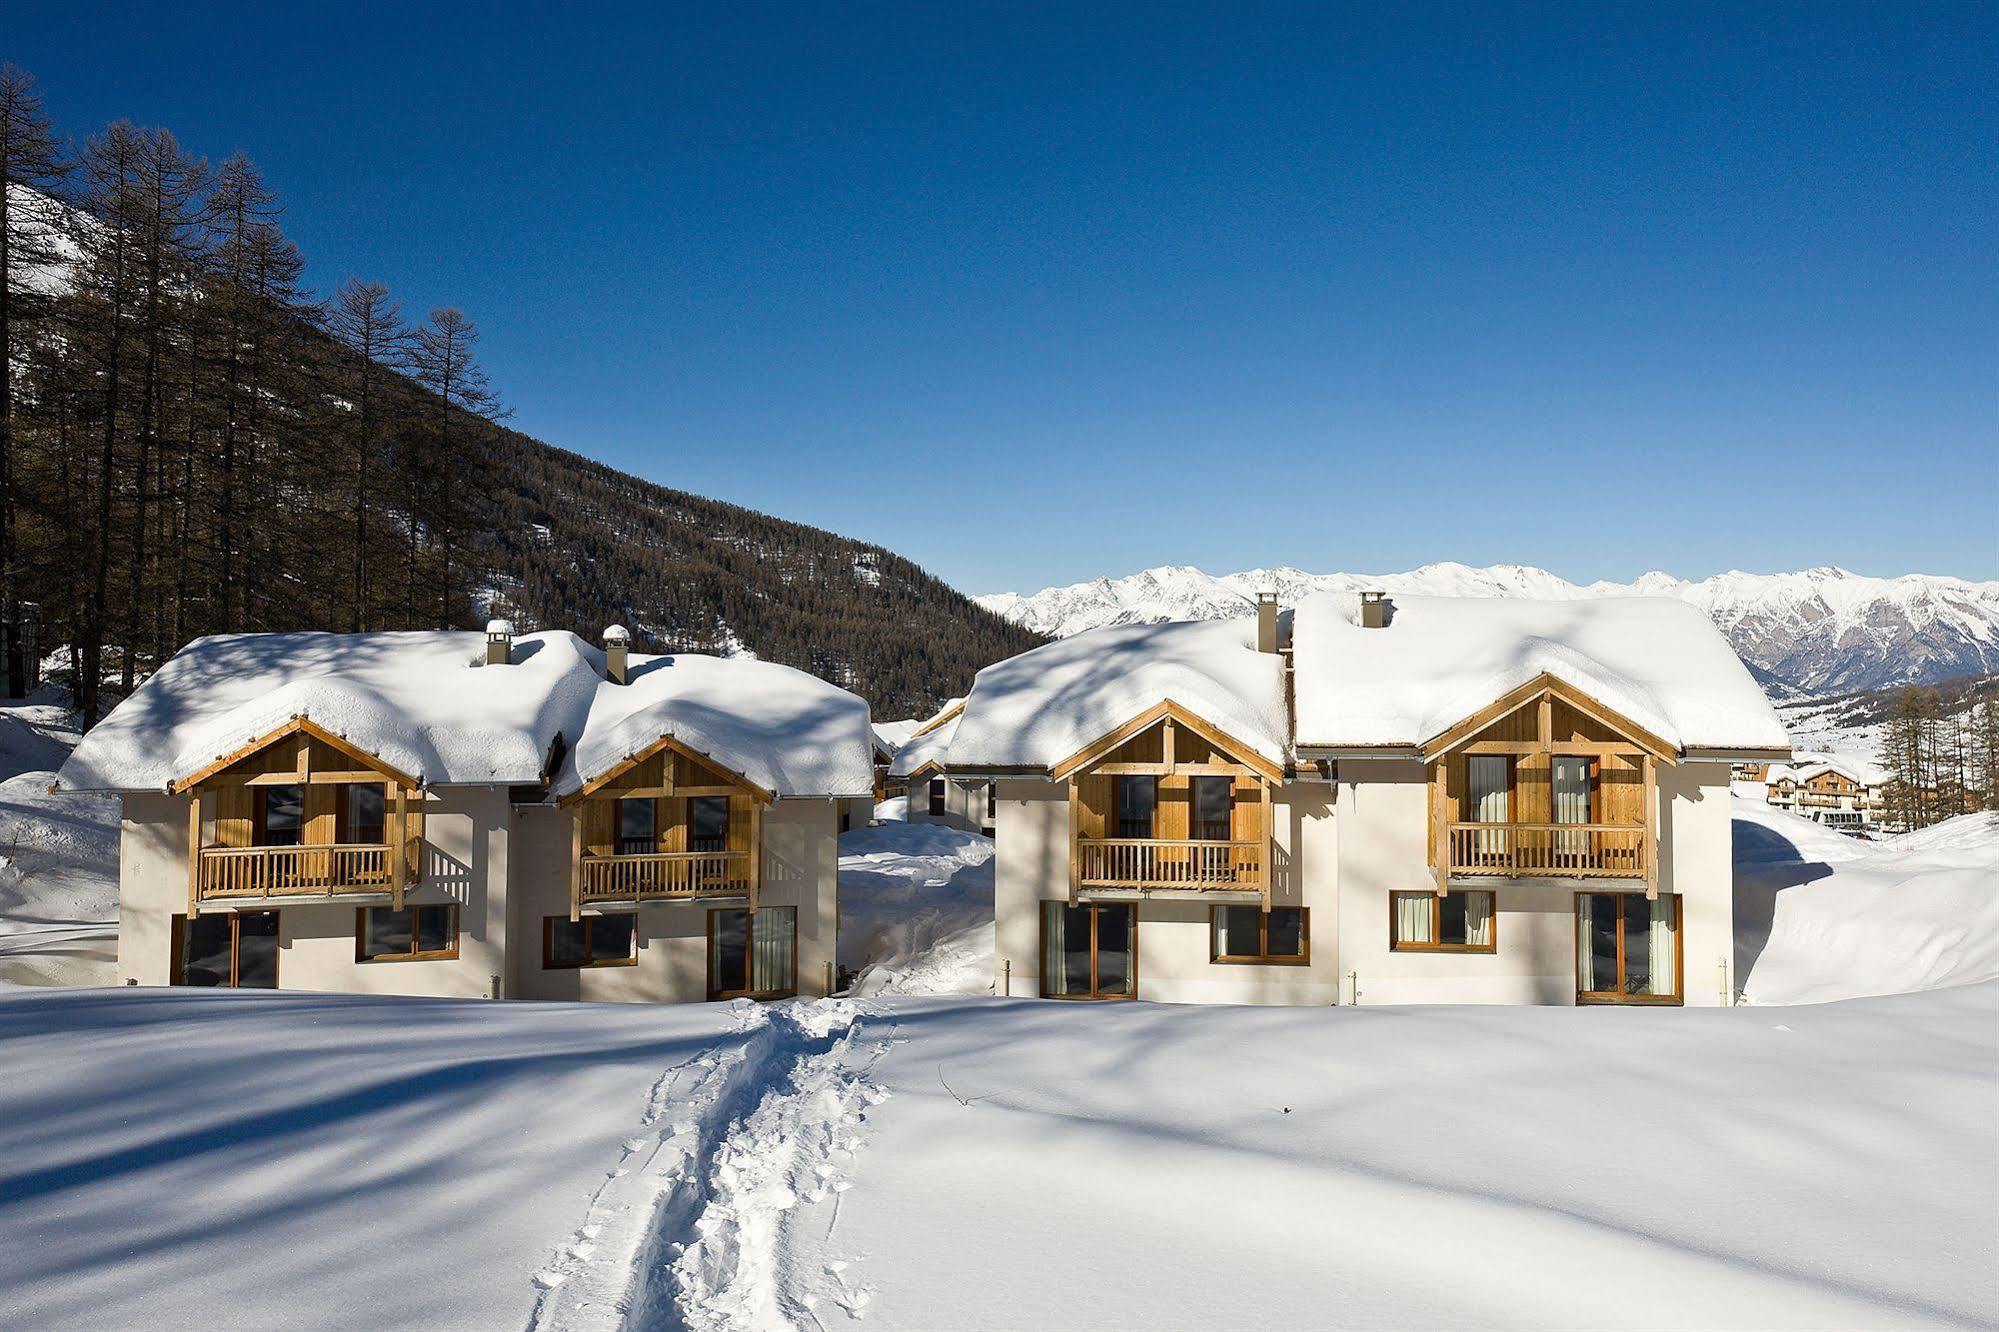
(1075, 842)
(1166, 744)
(399, 850)
(1651, 807)
(1269, 847)
(576, 864)
(1180, 769)
(1545, 720)
(304, 760)
(756, 869)
(194, 855)
(1584, 748)
(1440, 832)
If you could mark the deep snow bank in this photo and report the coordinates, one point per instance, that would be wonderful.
(1820, 916)
(916, 910)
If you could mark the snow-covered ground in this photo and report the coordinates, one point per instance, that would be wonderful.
(58, 858)
(219, 1159)
(916, 908)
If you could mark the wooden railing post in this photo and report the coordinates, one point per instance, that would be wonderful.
(576, 863)
(399, 849)
(1269, 847)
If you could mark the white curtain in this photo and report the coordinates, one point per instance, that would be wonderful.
(1571, 779)
(1414, 918)
(1488, 774)
(772, 931)
(1054, 949)
(1585, 954)
(1478, 920)
(1665, 945)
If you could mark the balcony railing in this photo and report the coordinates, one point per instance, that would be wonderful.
(646, 875)
(1147, 863)
(229, 872)
(1549, 850)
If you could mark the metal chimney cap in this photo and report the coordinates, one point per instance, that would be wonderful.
(617, 633)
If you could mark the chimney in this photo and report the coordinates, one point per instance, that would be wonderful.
(1266, 622)
(1374, 610)
(616, 641)
(499, 642)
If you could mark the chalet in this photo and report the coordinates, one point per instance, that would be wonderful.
(935, 796)
(1828, 788)
(427, 813)
(1432, 799)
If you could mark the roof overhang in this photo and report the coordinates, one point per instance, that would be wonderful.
(664, 743)
(1104, 744)
(1468, 728)
(298, 725)
(1726, 754)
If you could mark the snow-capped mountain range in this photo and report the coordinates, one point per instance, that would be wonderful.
(1818, 631)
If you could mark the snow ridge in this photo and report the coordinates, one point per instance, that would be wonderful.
(1822, 630)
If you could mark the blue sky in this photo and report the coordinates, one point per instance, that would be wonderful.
(1030, 294)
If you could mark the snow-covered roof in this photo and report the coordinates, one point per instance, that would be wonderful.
(920, 751)
(891, 735)
(425, 704)
(1857, 771)
(1659, 662)
(1043, 706)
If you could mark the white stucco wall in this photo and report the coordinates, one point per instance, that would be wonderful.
(506, 869)
(964, 804)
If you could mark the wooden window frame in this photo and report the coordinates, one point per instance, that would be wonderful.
(1512, 762)
(361, 954)
(749, 943)
(1607, 999)
(1264, 958)
(693, 824)
(548, 962)
(1041, 914)
(1396, 945)
(177, 941)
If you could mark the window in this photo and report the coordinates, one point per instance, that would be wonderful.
(1627, 948)
(1137, 801)
(1459, 921)
(992, 801)
(708, 823)
(1089, 951)
(753, 954)
(414, 934)
(280, 816)
(1250, 934)
(638, 827)
(1214, 800)
(235, 950)
(594, 941)
(363, 821)
(936, 795)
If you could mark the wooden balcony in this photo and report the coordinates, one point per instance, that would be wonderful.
(1550, 850)
(232, 873)
(649, 876)
(1152, 865)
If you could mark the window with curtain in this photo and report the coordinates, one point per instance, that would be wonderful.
(1137, 802)
(1627, 948)
(1460, 921)
(753, 954)
(1250, 934)
(1490, 779)
(1573, 778)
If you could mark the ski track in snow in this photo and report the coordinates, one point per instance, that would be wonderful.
(699, 1225)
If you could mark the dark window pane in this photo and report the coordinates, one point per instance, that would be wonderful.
(1213, 799)
(729, 953)
(637, 822)
(1137, 798)
(1237, 931)
(257, 951)
(1451, 918)
(1637, 944)
(284, 815)
(611, 937)
(709, 820)
(565, 940)
(388, 931)
(936, 795)
(205, 946)
(365, 820)
(1286, 932)
(433, 929)
(1114, 931)
(1075, 949)
(1603, 914)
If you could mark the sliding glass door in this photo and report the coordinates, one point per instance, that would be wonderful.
(236, 950)
(1089, 951)
(1627, 948)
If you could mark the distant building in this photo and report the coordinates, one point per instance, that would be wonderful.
(1835, 790)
